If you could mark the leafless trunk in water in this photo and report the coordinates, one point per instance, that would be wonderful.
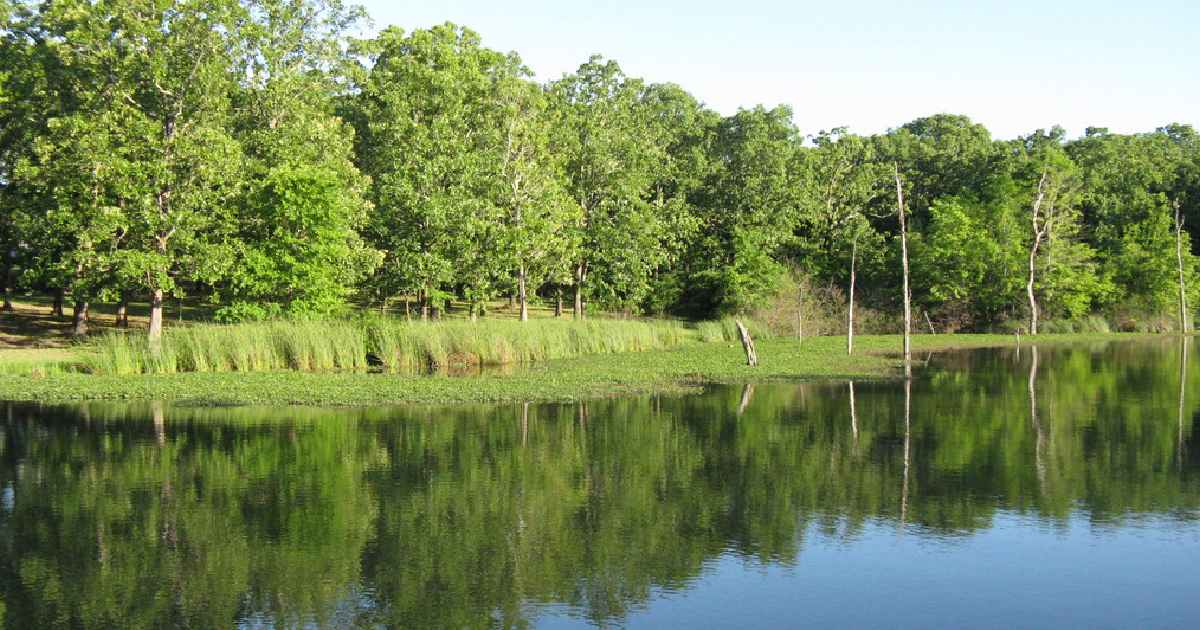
(1040, 434)
(160, 425)
(907, 449)
(747, 395)
(1183, 367)
(853, 415)
(524, 424)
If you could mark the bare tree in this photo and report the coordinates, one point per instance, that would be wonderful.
(1041, 220)
(850, 309)
(904, 264)
(1184, 320)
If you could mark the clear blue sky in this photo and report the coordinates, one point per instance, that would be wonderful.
(1014, 66)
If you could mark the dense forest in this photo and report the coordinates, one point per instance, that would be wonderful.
(262, 156)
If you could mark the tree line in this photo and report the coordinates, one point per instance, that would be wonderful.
(260, 155)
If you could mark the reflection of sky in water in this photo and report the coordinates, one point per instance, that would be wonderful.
(1020, 572)
(747, 506)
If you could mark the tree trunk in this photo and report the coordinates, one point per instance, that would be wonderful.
(423, 298)
(850, 310)
(558, 301)
(6, 278)
(904, 264)
(80, 327)
(123, 313)
(579, 276)
(747, 345)
(928, 322)
(800, 315)
(57, 309)
(1038, 232)
(156, 319)
(522, 297)
(1184, 318)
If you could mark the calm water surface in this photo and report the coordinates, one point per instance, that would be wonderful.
(1048, 490)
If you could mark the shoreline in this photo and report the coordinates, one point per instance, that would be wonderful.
(590, 377)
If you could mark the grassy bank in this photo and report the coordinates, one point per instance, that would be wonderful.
(592, 376)
(392, 345)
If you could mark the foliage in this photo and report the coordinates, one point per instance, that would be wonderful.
(259, 153)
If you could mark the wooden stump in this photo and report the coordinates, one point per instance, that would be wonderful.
(747, 345)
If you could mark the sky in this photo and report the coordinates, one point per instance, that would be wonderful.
(869, 65)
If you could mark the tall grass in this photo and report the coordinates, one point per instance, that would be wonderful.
(725, 329)
(399, 345)
(38, 362)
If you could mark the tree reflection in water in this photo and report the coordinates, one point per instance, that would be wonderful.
(149, 516)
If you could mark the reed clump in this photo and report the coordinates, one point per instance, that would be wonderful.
(392, 345)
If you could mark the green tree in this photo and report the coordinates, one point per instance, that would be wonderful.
(841, 183)
(423, 142)
(1129, 184)
(752, 206)
(687, 131)
(610, 160)
(158, 87)
(529, 185)
(295, 235)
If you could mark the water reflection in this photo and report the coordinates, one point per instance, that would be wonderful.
(601, 512)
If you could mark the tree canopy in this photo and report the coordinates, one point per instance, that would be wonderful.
(263, 155)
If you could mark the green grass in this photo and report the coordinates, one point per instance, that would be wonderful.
(38, 362)
(598, 375)
(343, 345)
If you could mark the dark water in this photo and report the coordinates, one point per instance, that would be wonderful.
(1012, 495)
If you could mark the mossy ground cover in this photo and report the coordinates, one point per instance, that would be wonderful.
(592, 376)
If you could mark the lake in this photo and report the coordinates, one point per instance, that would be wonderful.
(1002, 488)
